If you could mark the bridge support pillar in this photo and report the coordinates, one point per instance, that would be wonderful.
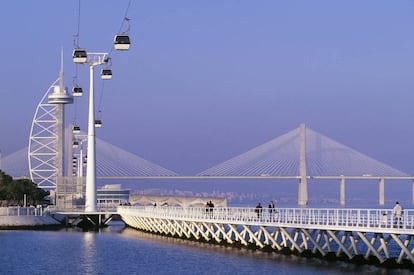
(381, 191)
(303, 184)
(342, 191)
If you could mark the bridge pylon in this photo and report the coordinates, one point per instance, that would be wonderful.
(303, 184)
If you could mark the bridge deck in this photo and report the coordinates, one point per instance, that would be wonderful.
(366, 233)
(372, 220)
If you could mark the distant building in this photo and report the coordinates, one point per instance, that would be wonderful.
(111, 195)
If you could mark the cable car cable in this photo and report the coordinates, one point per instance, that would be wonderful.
(126, 18)
(98, 119)
(121, 42)
(78, 27)
(79, 55)
(101, 96)
(126, 14)
(77, 90)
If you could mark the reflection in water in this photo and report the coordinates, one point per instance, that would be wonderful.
(115, 250)
(274, 261)
(88, 253)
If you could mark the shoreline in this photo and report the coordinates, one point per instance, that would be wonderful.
(28, 222)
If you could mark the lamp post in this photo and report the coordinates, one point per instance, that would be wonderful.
(93, 60)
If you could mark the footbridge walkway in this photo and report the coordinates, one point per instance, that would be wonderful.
(355, 235)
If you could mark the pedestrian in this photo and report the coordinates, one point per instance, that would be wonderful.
(211, 208)
(397, 213)
(271, 210)
(384, 219)
(258, 210)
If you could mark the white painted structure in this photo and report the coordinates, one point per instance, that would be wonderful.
(303, 183)
(94, 59)
(46, 144)
(350, 232)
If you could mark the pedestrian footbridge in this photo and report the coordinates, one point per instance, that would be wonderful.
(355, 235)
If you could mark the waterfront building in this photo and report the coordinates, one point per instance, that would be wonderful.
(112, 195)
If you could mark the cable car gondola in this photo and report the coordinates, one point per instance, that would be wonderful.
(80, 56)
(122, 42)
(75, 143)
(76, 129)
(98, 120)
(106, 74)
(98, 123)
(77, 91)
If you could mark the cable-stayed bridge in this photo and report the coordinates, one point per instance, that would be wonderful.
(277, 157)
(112, 162)
(324, 157)
(299, 154)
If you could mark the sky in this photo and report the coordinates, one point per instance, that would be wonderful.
(205, 81)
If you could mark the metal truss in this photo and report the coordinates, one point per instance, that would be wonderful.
(43, 151)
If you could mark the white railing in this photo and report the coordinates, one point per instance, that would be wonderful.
(81, 208)
(21, 211)
(301, 217)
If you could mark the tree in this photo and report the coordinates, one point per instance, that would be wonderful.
(14, 190)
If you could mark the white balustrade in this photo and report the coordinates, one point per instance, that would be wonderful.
(328, 218)
(365, 232)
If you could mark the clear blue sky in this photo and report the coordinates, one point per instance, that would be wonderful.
(207, 80)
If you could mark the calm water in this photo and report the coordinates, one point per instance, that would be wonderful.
(119, 250)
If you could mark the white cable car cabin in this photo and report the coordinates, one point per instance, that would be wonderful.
(80, 56)
(106, 74)
(98, 123)
(76, 129)
(122, 42)
(75, 144)
(77, 91)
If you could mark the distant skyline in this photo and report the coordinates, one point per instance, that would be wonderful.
(207, 80)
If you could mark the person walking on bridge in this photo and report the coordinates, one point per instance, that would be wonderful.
(397, 213)
(271, 210)
(258, 210)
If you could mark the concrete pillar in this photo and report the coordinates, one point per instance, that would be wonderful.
(90, 196)
(303, 185)
(381, 191)
(342, 191)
